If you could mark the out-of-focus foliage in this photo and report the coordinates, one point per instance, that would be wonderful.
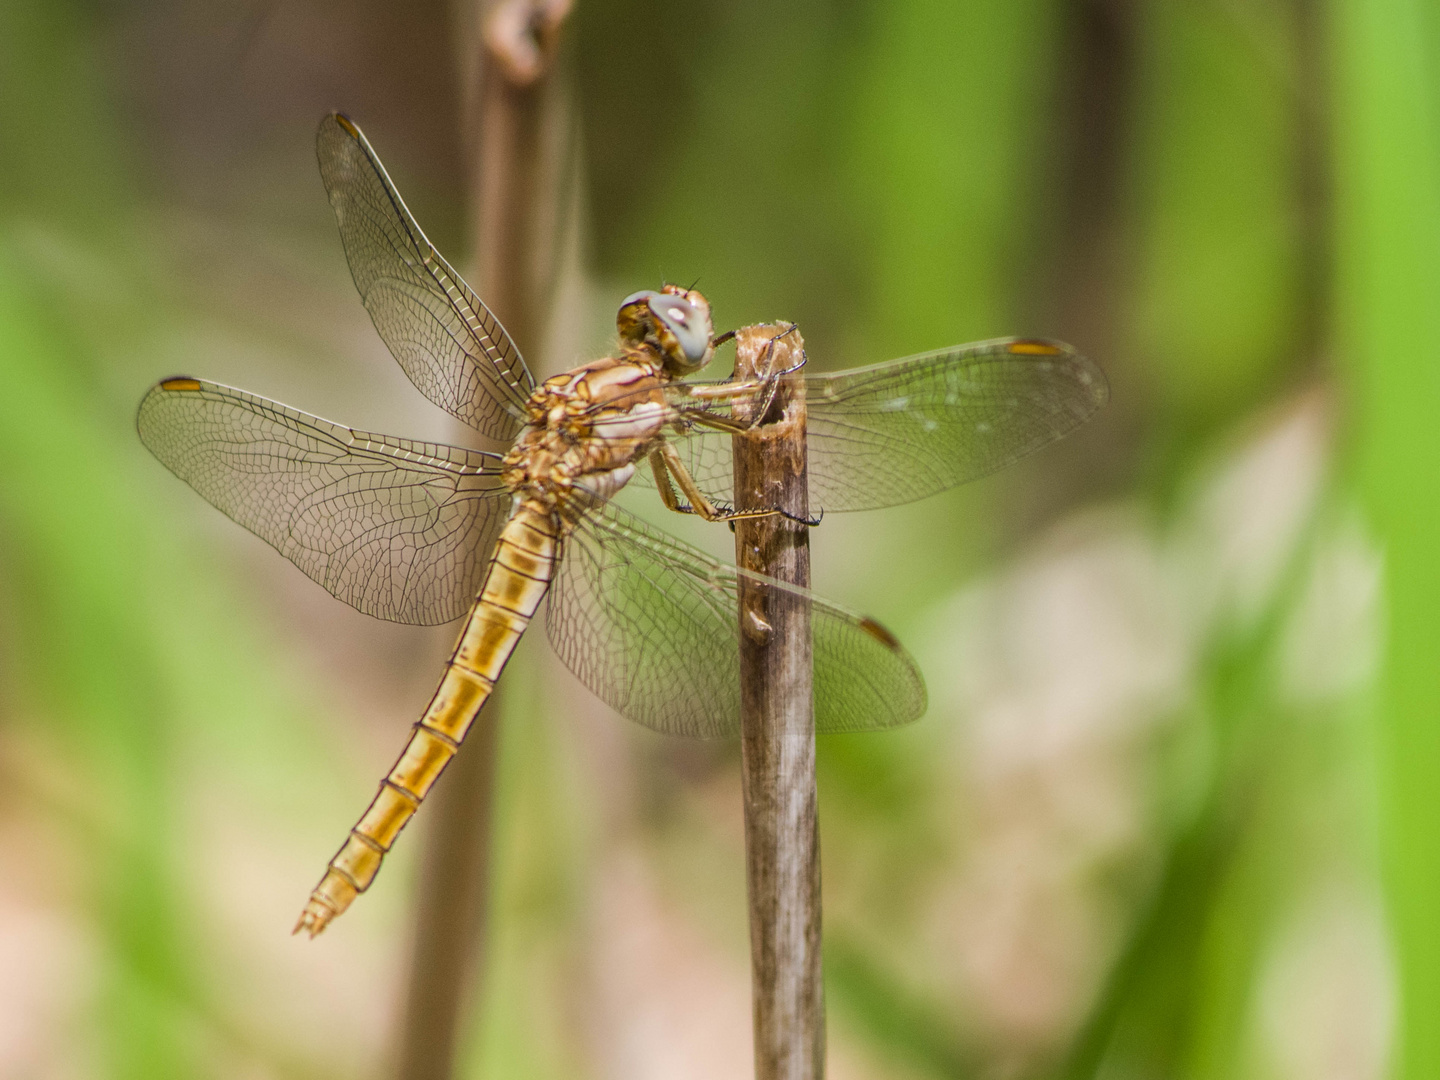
(1387, 63)
(1136, 835)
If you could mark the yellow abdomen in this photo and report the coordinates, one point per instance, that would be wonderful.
(519, 574)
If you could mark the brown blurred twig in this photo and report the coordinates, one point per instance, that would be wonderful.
(509, 52)
(782, 838)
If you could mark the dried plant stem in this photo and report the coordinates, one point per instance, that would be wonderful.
(508, 53)
(450, 916)
(782, 838)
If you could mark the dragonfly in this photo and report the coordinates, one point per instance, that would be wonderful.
(425, 533)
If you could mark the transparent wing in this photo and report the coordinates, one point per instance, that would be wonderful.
(401, 530)
(652, 626)
(895, 432)
(454, 350)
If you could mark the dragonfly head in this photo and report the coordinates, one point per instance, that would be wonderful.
(675, 322)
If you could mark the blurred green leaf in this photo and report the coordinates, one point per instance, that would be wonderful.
(1388, 220)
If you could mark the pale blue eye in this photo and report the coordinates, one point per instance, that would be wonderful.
(636, 297)
(685, 323)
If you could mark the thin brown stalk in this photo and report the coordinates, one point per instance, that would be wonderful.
(782, 838)
(450, 916)
(508, 54)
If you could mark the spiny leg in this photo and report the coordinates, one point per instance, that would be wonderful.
(768, 386)
(665, 462)
(663, 484)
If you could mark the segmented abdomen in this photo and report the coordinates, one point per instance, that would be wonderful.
(519, 574)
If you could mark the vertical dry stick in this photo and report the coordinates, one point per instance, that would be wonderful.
(516, 189)
(505, 90)
(450, 918)
(782, 837)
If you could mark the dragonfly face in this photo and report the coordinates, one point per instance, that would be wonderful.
(675, 321)
(423, 533)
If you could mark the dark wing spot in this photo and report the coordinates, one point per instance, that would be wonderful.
(180, 383)
(879, 633)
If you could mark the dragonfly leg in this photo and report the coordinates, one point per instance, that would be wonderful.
(666, 461)
(725, 390)
(764, 388)
(720, 423)
(808, 522)
(663, 484)
(798, 364)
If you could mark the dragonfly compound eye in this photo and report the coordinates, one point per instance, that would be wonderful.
(688, 325)
(634, 319)
(678, 326)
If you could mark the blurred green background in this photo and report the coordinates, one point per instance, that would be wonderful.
(1175, 809)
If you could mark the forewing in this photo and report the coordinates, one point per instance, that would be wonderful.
(652, 626)
(454, 350)
(400, 530)
(896, 432)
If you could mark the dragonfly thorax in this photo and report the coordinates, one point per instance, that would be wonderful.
(588, 427)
